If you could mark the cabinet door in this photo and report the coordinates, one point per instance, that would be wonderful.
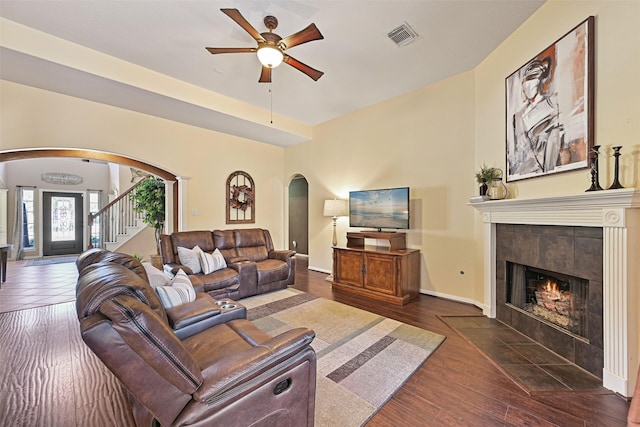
(380, 275)
(349, 268)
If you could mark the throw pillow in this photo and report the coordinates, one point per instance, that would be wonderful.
(212, 262)
(168, 270)
(190, 258)
(156, 277)
(179, 291)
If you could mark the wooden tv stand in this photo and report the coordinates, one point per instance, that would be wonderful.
(388, 274)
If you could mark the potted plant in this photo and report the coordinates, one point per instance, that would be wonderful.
(149, 199)
(485, 175)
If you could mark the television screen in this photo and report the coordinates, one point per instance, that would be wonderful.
(385, 208)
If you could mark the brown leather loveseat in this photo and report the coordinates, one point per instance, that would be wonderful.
(253, 265)
(228, 374)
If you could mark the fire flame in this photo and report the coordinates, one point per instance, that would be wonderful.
(551, 286)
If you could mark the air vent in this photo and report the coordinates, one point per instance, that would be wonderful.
(402, 35)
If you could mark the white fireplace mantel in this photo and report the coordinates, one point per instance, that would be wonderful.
(618, 213)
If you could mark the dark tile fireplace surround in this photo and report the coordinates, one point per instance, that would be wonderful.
(572, 251)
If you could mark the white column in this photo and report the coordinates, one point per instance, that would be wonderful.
(620, 299)
(168, 206)
(489, 254)
(183, 202)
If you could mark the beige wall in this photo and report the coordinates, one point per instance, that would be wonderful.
(435, 138)
(423, 140)
(617, 94)
(34, 118)
(432, 140)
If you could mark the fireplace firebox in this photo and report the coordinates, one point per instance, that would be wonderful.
(555, 298)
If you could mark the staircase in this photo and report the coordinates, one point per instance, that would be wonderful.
(117, 222)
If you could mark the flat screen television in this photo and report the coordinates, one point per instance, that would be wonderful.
(384, 208)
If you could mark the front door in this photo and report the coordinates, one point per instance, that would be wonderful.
(62, 223)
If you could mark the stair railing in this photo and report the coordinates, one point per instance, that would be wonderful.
(114, 218)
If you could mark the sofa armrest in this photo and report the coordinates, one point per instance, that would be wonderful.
(248, 364)
(184, 315)
(282, 255)
(174, 267)
(248, 272)
(198, 284)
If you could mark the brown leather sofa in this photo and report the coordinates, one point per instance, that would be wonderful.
(253, 265)
(228, 374)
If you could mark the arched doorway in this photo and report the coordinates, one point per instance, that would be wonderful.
(98, 155)
(299, 215)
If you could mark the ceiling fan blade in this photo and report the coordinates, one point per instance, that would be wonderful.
(237, 16)
(265, 75)
(311, 72)
(309, 34)
(215, 50)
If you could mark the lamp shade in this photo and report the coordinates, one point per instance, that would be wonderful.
(270, 56)
(335, 208)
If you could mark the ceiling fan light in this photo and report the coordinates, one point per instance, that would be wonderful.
(270, 56)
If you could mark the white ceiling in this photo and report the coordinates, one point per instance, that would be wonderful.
(362, 65)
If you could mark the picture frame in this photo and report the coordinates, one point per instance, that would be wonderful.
(550, 108)
(241, 202)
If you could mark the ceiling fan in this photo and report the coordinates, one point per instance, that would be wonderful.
(271, 47)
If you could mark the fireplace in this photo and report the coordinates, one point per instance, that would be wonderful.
(613, 318)
(554, 298)
(549, 287)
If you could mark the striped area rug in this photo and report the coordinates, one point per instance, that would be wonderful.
(363, 358)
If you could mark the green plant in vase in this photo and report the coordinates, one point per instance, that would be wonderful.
(485, 175)
(149, 199)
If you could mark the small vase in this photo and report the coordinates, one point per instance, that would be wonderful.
(483, 188)
(497, 190)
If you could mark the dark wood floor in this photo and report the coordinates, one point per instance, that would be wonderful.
(456, 386)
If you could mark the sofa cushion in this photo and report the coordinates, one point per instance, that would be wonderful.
(211, 262)
(219, 279)
(179, 291)
(190, 258)
(189, 239)
(102, 281)
(251, 244)
(153, 341)
(271, 270)
(225, 242)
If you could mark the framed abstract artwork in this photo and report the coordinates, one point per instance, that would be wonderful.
(241, 202)
(550, 106)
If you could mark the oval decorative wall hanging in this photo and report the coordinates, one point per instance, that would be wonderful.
(61, 178)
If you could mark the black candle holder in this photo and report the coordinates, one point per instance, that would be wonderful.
(595, 178)
(616, 173)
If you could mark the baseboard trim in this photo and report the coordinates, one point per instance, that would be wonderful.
(422, 291)
(453, 298)
(318, 269)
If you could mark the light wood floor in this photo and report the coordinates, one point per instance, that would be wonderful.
(457, 386)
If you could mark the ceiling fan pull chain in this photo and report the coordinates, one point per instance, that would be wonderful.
(271, 100)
